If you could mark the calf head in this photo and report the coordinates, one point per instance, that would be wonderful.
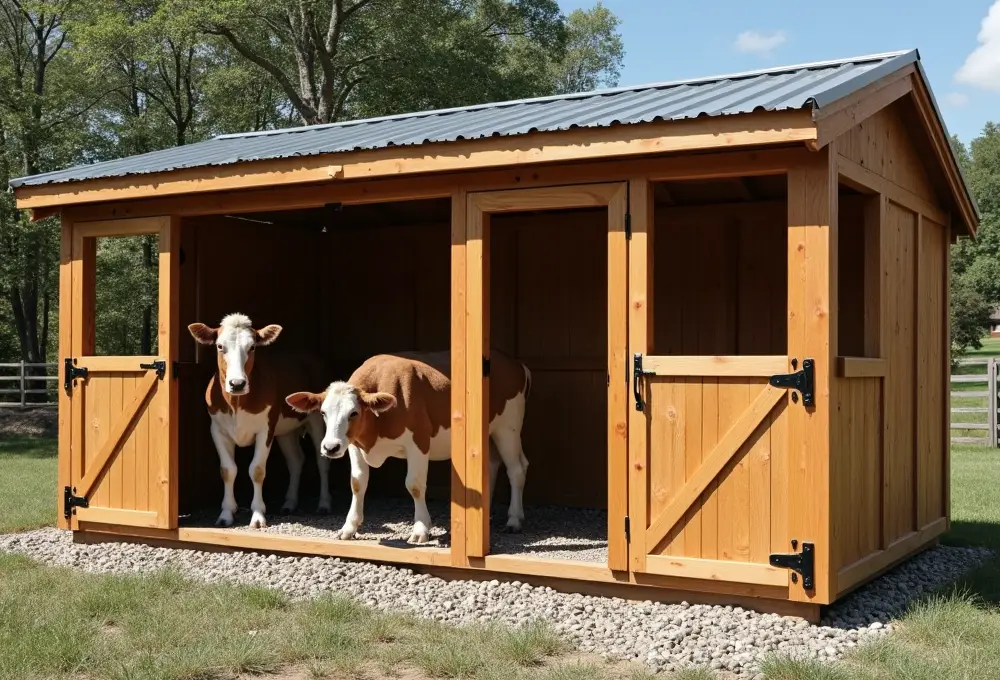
(349, 413)
(235, 339)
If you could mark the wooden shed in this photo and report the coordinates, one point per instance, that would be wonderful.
(732, 293)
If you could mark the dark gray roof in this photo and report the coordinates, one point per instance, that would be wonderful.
(778, 89)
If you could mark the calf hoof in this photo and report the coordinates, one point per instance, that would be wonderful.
(258, 521)
(418, 537)
(512, 529)
(225, 519)
(347, 534)
(322, 509)
(288, 509)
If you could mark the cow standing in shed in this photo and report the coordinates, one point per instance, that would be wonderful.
(242, 416)
(399, 406)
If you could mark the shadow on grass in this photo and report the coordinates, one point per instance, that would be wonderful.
(28, 447)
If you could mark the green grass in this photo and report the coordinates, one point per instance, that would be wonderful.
(58, 623)
(27, 483)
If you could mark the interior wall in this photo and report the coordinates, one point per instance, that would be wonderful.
(548, 307)
(720, 279)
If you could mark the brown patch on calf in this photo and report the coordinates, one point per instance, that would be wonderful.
(258, 474)
(355, 485)
(415, 492)
(421, 385)
(225, 474)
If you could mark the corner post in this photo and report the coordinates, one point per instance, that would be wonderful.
(168, 330)
(65, 350)
(812, 333)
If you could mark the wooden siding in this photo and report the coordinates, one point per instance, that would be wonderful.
(890, 447)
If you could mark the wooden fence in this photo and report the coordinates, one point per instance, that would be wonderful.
(974, 402)
(21, 379)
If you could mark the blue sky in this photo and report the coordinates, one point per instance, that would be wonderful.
(672, 39)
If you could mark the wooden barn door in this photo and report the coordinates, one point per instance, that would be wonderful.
(120, 378)
(708, 433)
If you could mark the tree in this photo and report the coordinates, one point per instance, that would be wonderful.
(594, 51)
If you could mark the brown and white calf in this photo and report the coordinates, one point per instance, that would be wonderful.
(245, 415)
(399, 406)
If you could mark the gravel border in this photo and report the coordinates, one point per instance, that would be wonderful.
(665, 636)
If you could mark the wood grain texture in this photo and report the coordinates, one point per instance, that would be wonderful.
(617, 404)
(459, 366)
(65, 433)
(477, 343)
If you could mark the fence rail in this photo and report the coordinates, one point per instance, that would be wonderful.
(26, 377)
(975, 402)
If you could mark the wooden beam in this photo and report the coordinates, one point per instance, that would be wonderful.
(871, 565)
(459, 366)
(835, 120)
(65, 448)
(622, 141)
(477, 400)
(812, 333)
(167, 426)
(860, 367)
(762, 162)
(861, 178)
(640, 292)
(713, 463)
(617, 425)
(715, 366)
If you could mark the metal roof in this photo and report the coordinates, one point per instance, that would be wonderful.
(778, 89)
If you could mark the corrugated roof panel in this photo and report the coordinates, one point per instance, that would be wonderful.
(792, 87)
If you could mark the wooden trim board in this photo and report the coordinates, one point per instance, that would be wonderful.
(861, 178)
(870, 566)
(715, 366)
(716, 570)
(620, 141)
(860, 367)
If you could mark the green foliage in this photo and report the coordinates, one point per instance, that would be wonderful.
(86, 82)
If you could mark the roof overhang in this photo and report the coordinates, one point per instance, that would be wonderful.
(620, 141)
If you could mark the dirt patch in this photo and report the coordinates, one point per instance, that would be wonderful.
(38, 421)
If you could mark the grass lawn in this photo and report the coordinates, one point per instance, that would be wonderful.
(27, 483)
(57, 623)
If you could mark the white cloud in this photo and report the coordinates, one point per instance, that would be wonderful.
(982, 68)
(753, 42)
(957, 100)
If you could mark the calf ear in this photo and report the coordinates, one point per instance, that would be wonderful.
(305, 402)
(267, 334)
(203, 334)
(378, 402)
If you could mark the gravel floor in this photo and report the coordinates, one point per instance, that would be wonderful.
(550, 532)
(665, 636)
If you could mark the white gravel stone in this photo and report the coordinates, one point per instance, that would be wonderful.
(664, 636)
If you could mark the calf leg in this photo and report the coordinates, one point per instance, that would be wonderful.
(258, 469)
(508, 442)
(417, 463)
(359, 484)
(314, 423)
(494, 470)
(227, 469)
(294, 457)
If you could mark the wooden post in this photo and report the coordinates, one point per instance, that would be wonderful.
(641, 207)
(991, 416)
(459, 557)
(477, 347)
(812, 333)
(65, 432)
(168, 330)
(618, 415)
(24, 387)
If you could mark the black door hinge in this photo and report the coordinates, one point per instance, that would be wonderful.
(637, 373)
(801, 380)
(70, 501)
(628, 225)
(486, 367)
(159, 366)
(628, 530)
(71, 372)
(800, 562)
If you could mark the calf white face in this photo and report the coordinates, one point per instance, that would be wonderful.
(347, 411)
(235, 340)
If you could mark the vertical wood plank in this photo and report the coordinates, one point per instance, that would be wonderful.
(459, 557)
(812, 333)
(477, 335)
(640, 339)
(166, 421)
(759, 492)
(946, 383)
(143, 445)
(694, 449)
(919, 375)
(128, 452)
(874, 216)
(65, 400)
(82, 287)
(114, 477)
(710, 433)
(617, 415)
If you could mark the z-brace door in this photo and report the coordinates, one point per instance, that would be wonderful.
(123, 408)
